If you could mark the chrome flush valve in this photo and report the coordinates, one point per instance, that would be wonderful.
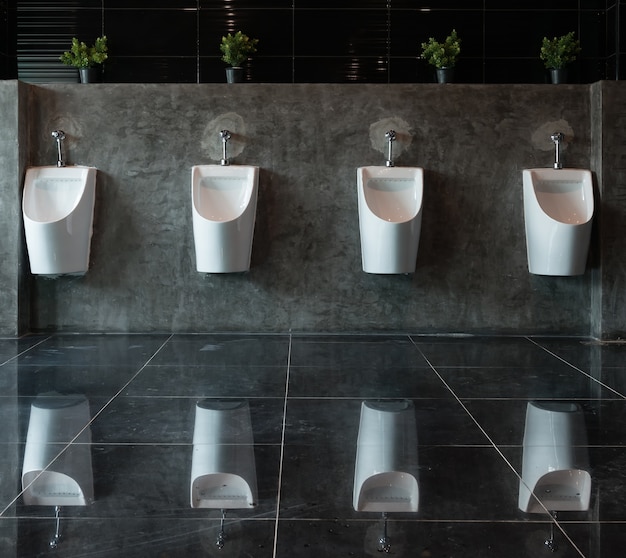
(557, 138)
(225, 135)
(391, 137)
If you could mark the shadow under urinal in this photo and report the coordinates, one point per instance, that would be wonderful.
(555, 464)
(390, 217)
(223, 470)
(224, 199)
(58, 209)
(57, 468)
(558, 213)
(385, 476)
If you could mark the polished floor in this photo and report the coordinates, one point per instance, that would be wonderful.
(305, 393)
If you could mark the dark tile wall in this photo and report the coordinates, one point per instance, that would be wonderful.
(316, 41)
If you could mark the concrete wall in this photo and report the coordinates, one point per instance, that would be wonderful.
(472, 140)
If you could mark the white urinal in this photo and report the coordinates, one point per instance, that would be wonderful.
(558, 212)
(555, 459)
(224, 202)
(58, 207)
(51, 474)
(390, 217)
(385, 474)
(223, 469)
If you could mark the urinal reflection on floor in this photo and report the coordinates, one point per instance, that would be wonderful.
(223, 470)
(385, 475)
(57, 468)
(555, 467)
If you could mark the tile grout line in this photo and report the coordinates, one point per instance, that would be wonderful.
(15, 357)
(495, 447)
(621, 395)
(282, 449)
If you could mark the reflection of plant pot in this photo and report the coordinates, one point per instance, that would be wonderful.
(558, 76)
(445, 75)
(90, 75)
(234, 75)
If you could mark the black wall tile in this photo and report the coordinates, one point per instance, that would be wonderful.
(346, 33)
(157, 69)
(151, 32)
(313, 40)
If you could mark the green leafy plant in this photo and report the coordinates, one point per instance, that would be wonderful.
(82, 56)
(442, 55)
(560, 51)
(237, 48)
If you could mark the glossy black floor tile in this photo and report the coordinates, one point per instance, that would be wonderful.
(304, 394)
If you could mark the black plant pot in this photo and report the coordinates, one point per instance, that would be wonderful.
(558, 76)
(234, 75)
(90, 75)
(445, 75)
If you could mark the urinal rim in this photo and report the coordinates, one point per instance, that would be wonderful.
(530, 186)
(252, 189)
(418, 175)
(29, 187)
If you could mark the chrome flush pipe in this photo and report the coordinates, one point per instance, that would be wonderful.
(225, 135)
(391, 137)
(384, 544)
(59, 136)
(557, 138)
(54, 542)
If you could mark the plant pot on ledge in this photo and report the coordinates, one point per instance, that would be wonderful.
(235, 51)
(443, 56)
(90, 75)
(558, 75)
(445, 75)
(87, 59)
(234, 74)
(557, 53)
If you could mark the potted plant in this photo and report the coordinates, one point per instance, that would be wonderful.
(443, 56)
(235, 51)
(557, 53)
(86, 58)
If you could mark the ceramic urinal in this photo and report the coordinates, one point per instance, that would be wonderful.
(555, 464)
(57, 468)
(223, 470)
(390, 217)
(58, 208)
(385, 475)
(558, 211)
(224, 211)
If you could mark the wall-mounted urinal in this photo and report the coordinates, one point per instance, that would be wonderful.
(223, 470)
(558, 212)
(390, 217)
(57, 469)
(385, 474)
(224, 199)
(555, 463)
(58, 209)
